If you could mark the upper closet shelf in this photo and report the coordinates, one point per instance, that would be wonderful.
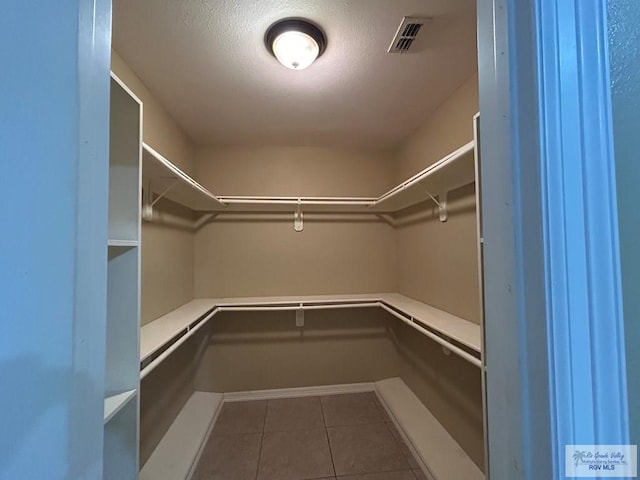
(451, 172)
(163, 178)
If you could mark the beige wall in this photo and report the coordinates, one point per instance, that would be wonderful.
(292, 171)
(167, 260)
(240, 255)
(258, 257)
(446, 129)
(159, 130)
(163, 394)
(254, 351)
(167, 242)
(437, 262)
(447, 385)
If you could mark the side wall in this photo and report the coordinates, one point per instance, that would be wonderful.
(437, 262)
(167, 245)
(253, 255)
(163, 394)
(447, 385)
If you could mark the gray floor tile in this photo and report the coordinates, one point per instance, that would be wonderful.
(241, 417)
(351, 409)
(365, 449)
(295, 455)
(406, 451)
(403, 475)
(383, 411)
(229, 457)
(288, 414)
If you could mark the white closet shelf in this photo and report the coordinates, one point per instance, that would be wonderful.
(118, 243)
(453, 171)
(441, 454)
(456, 328)
(166, 180)
(114, 403)
(178, 450)
(161, 337)
(157, 333)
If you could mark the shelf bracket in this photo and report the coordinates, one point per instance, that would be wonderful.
(441, 202)
(388, 218)
(149, 201)
(442, 207)
(203, 219)
(173, 183)
(300, 317)
(298, 223)
(147, 206)
(446, 350)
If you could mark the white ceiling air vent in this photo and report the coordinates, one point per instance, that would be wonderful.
(406, 34)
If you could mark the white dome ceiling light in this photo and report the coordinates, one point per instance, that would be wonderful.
(296, 43)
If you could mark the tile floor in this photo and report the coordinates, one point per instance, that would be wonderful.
(346, 437)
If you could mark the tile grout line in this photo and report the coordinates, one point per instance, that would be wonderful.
(391, 426)
(404, 448)
(326, 433)
(264, 424)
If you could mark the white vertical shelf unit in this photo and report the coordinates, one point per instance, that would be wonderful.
(121, 407)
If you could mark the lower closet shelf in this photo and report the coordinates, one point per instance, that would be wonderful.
(442, 455)
(177, 451)
(114, 403)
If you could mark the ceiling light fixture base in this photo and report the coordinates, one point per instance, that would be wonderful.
(295, 42)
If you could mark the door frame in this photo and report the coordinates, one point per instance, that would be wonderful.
(554, 332)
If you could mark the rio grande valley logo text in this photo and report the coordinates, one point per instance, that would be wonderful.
(599, 460)
(604, 461)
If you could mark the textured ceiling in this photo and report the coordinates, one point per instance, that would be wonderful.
(206, 62)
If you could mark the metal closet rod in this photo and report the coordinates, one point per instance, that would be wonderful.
(346, 201)
(302, 306)
(192, 329)
(445, 343)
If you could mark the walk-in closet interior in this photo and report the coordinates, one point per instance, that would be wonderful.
(294, 233)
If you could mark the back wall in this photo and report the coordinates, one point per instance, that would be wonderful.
(254, 255)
